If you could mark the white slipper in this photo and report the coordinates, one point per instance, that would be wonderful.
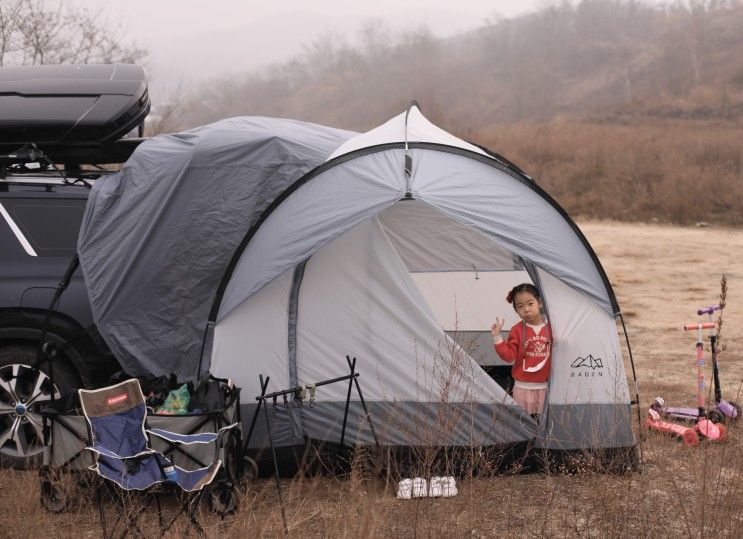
(435, 488)
(420, 488)
(405, 489)
(448, 487)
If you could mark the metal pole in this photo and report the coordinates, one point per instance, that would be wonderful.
(348, 401)
(363, 403)
(264, 385)
(700, 373)
(715, 368)
(276, 470)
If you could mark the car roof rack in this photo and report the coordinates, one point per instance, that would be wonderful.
(73, 114)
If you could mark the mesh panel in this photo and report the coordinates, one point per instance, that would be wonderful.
(427, 240)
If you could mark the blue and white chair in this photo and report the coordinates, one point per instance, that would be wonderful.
(116, 417)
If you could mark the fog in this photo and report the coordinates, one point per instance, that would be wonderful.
(189, 41)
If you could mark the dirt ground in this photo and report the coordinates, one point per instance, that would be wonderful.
(661, 275)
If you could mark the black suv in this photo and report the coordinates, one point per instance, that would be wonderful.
(61, 129)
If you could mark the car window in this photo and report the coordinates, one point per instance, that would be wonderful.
(50, 226)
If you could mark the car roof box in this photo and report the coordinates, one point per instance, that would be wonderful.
(71, 104)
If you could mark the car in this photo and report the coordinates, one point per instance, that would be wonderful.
(61, 129)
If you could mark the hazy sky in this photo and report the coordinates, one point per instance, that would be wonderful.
(191, 40)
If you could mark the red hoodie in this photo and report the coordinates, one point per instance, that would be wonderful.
(531, 354)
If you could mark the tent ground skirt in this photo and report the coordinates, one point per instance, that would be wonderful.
(315, 457)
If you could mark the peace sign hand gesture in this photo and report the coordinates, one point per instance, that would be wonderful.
(497, 326)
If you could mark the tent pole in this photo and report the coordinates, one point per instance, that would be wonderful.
(209, 327)
(637, 386)
(534, 276)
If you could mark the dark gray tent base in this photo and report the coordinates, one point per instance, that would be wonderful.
(306, 439)
(316, 457)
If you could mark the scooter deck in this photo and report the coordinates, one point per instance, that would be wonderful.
(687, 434)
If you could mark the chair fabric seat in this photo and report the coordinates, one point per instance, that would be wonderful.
(138, 473)
(116, 416)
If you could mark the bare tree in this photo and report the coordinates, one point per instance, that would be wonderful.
(47, 32)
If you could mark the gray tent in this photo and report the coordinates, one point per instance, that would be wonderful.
(260, 246)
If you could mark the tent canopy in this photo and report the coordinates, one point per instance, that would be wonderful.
(259, 246)
(157, 236)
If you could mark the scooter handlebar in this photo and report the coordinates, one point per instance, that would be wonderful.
(703, 325)
(708, 310)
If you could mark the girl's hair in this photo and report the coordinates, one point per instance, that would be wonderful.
(523, 287)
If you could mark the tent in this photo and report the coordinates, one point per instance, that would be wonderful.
(258, 246)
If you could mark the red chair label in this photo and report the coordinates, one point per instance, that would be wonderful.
(117, 399)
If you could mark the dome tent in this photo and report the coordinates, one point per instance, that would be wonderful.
(355, 256)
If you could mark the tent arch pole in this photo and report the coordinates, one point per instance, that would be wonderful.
(531, 270)
(292, 341)
(491, 161)
(637, 388)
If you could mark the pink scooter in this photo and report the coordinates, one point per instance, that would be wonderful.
(723, 410)
(704, 426)
(729, 409)
(687, 434)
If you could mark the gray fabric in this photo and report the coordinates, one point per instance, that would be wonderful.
(567, 427)
(316, 213)
(279, 416)
(188, 457)
(439, 243)
(586, 426)
(479, 345)
(478, 195)
(398, 423)
(510, 213)
(69, 440)
(157, 237)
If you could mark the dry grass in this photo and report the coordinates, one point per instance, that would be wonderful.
(671, 171)
(661, 274)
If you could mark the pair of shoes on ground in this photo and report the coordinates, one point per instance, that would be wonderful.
(444, 487)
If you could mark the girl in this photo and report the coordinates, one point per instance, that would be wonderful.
(528, 347)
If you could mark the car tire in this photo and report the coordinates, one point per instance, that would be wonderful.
(22, 391)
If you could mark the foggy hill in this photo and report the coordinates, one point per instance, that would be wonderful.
(604, 59)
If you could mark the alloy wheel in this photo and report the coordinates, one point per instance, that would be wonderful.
(23, 390)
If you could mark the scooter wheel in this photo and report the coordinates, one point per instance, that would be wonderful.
(736, 406)
(716, 416)
(690, 437)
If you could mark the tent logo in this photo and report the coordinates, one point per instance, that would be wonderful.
(587, 366)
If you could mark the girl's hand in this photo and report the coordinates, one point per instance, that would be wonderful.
(497, 326)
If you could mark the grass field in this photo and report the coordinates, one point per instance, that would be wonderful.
(661, 275)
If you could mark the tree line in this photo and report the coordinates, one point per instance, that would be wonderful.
(567, 59)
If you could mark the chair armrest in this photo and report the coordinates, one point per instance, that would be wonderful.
(187, 439)
(106, 452)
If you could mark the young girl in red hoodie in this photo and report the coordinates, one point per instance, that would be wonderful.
(529, 348)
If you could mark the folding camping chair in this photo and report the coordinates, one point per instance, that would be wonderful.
(116, 417)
